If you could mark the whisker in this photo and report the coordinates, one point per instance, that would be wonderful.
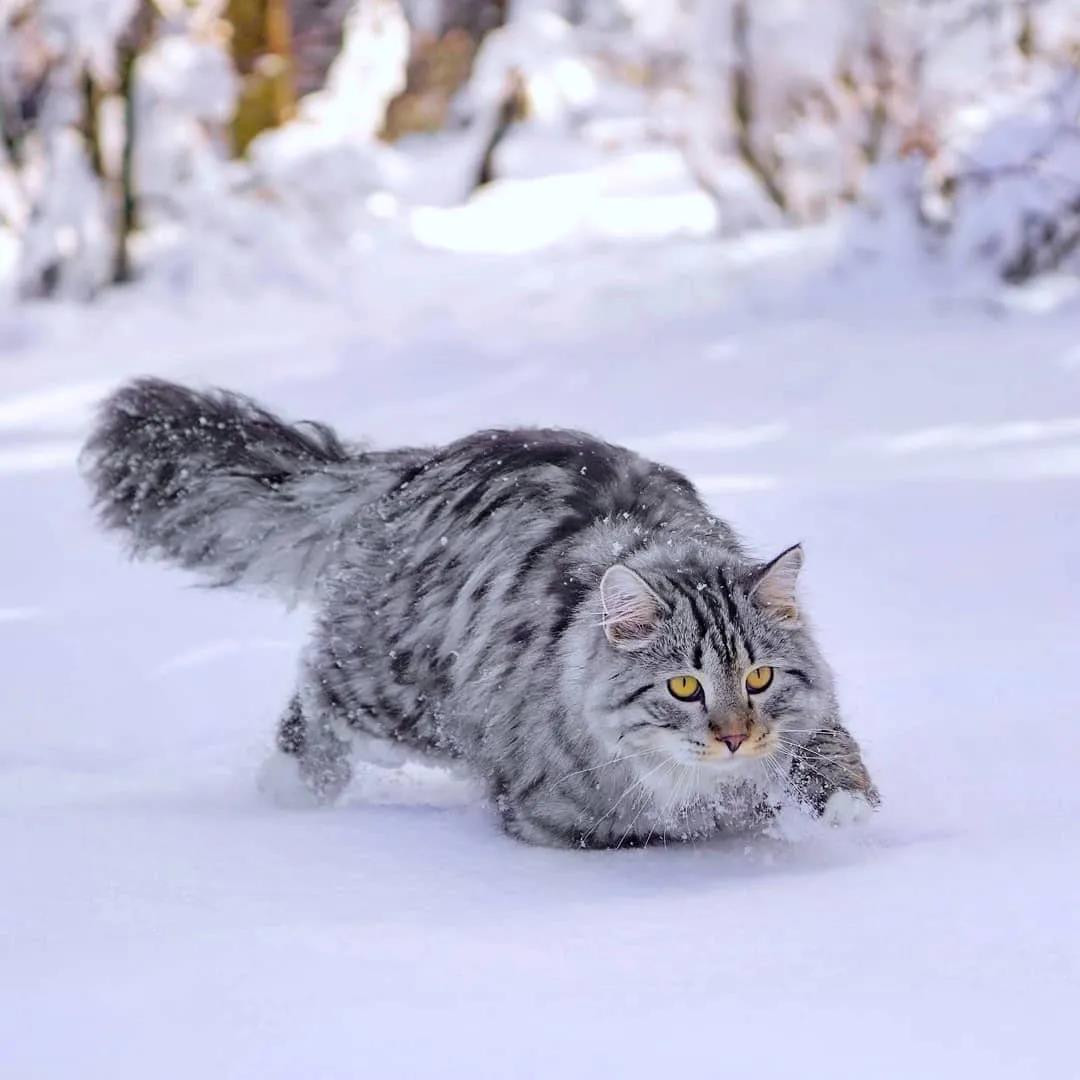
(661, 814)
(640, 781)
(806, 752)
(633, 822)
(602, 765)
(773, 769)
(829, 781)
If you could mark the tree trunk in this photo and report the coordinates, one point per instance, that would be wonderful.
(742, 102)
(131, 44)
(262, 52)
(513, 107)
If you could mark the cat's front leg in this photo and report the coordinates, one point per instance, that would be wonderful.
(533, 813)
(829, 775)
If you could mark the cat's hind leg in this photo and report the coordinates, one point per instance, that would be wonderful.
(311, 765)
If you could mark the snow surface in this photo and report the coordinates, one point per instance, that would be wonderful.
(158, 919)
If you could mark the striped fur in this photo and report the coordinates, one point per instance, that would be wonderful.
(461, 616)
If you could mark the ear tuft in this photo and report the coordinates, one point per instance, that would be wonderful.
(632, 611)
(773, 589)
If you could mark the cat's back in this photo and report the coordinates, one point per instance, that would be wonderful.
(543, 470)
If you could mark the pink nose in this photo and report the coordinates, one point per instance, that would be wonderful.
(733, 742)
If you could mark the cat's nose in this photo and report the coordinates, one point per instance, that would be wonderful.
(733, 742)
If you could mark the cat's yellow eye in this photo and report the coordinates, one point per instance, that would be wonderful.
(684, 687)
(759, 679)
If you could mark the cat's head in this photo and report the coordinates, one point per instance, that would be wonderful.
(708, 673)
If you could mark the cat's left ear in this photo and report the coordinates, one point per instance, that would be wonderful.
(632, 611)
(773, 586)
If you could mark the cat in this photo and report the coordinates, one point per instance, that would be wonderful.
(562, 617)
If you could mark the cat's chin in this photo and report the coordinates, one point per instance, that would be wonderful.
(689, 778)
(718, 763)
(720, 773)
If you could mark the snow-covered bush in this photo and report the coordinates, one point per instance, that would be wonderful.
(1017, 190)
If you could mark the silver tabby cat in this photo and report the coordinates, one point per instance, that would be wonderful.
(561, 615)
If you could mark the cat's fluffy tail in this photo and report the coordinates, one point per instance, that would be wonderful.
(214, 483)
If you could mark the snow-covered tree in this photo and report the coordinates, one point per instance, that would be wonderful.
(118, 117)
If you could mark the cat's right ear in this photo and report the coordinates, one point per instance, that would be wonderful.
(774, 587)
(632, 611)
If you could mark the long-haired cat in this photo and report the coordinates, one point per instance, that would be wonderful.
(561, 615)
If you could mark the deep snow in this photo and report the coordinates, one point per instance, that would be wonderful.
(158, 919)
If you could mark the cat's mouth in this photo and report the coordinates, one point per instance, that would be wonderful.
(707, 754)
(732, 753)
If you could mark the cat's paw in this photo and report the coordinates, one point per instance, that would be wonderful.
(847, 808)
(280, 782)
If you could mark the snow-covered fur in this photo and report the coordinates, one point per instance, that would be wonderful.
(519, 600)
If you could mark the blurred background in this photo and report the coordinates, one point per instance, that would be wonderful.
(217, 140)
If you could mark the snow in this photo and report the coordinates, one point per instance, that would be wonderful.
(158, 917)
(640, 195)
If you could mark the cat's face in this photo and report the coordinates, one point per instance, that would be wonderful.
(710, 674)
